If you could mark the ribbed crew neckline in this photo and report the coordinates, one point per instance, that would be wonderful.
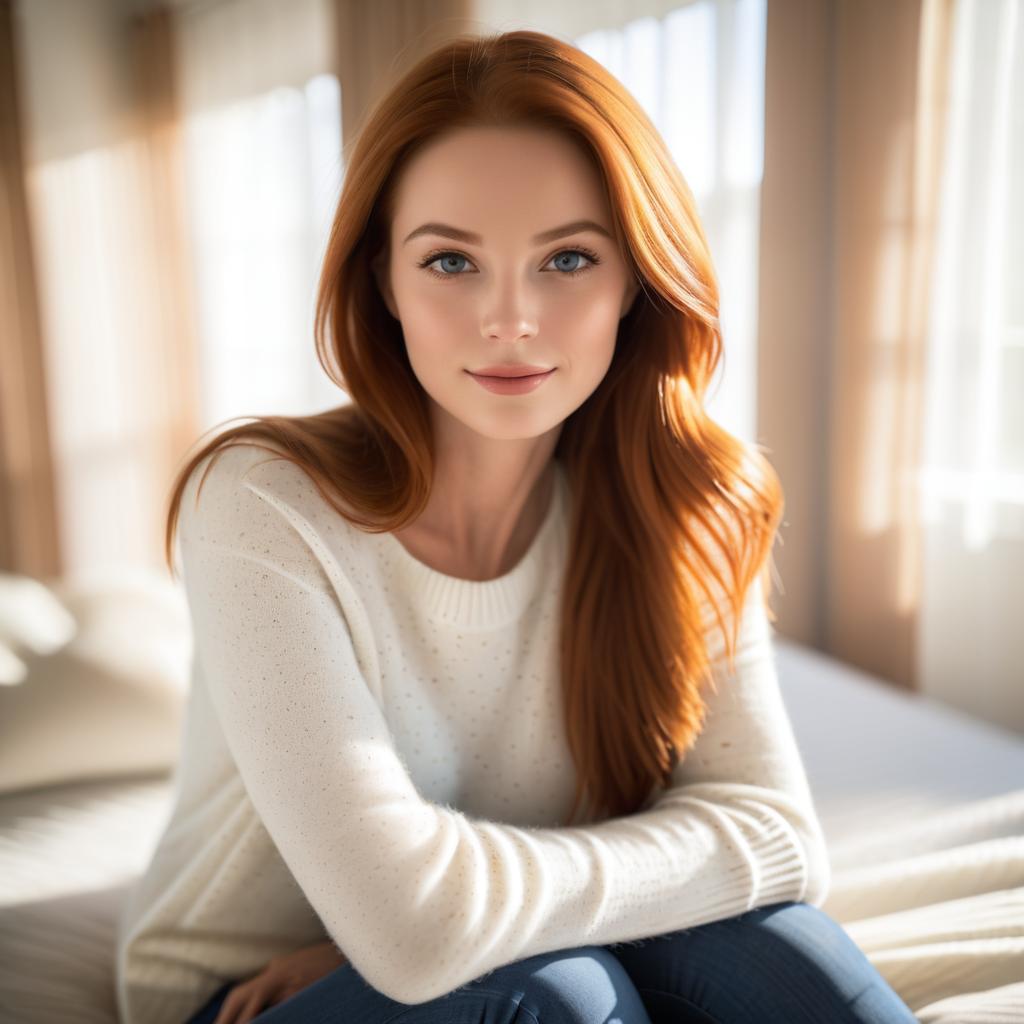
(479, 604)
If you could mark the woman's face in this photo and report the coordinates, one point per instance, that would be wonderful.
(508, 294)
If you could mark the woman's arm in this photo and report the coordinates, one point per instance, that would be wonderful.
(421, 897)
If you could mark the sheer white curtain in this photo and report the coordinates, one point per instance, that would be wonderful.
(262, 121)
(972, 482)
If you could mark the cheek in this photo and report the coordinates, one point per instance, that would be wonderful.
(591, 312)
(432, 349)
(434, 321)
(584, 329)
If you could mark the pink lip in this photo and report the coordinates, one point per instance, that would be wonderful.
(511, 385)
(510, 370)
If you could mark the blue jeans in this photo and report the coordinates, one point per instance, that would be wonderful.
(789, 963)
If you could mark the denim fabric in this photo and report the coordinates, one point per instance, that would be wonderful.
(788, 963)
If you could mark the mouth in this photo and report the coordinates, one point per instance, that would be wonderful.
(511, 372)
(510, 376)
(506, 385)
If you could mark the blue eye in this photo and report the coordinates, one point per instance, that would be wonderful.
(442, 258)
(570, 253)
(448, 255)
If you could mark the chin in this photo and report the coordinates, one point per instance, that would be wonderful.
(511, 427)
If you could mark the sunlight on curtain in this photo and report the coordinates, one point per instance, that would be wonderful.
(263, 156)
(974, 471)
(101, 176)
(698, 72)
(972, 481)
(100, 263)
(260, 176)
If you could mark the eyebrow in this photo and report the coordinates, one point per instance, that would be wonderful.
(472, 238)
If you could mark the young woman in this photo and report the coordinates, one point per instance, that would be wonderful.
(484, 721)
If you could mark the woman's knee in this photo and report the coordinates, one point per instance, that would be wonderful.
(788, 961)
(585, 985)
(815, 957)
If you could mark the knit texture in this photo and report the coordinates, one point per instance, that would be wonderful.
(374, 752)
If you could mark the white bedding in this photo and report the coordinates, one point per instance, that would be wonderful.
(933, 794)
(67, 855)
(923, 810)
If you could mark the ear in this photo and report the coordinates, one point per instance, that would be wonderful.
(381, 275)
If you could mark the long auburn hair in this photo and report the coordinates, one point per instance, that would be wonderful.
(672, 517)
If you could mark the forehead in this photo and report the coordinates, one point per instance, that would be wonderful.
(509, 180)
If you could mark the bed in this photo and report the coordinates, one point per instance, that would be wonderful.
(922, 807)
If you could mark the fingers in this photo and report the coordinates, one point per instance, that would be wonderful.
(245, 1001)
(286, 993)
(229, 1008)
(252, 1008)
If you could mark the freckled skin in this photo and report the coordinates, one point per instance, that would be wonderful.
(506, 299)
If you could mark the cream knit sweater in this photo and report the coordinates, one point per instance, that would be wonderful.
(374, 752)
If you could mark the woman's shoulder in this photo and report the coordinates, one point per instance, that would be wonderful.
(227, 466)
(244, 494)
(265, 469)
(268, 512)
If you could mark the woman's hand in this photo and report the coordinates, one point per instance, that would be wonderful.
(280, 979)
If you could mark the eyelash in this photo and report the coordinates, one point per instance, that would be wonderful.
(431, 257)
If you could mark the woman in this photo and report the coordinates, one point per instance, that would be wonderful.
(433, 624)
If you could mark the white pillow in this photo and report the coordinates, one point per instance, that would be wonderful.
(93, 675)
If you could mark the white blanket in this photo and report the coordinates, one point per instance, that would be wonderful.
(923, 812)
(938, 907)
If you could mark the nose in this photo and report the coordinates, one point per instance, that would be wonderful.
(510, 314)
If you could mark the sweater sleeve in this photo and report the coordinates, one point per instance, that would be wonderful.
(419, 897)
